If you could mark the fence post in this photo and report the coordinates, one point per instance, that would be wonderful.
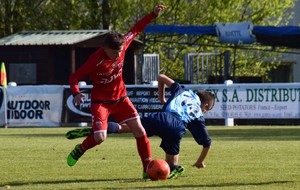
(228, 121)
(82, 84)
(226, 64)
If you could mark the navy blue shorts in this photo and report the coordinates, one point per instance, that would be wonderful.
(168, 126)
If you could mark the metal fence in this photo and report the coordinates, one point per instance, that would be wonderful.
(199, 67)
(150, 67)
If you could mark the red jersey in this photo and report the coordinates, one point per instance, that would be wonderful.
(105, 73)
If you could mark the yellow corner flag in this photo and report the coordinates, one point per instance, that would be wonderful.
(3, 79)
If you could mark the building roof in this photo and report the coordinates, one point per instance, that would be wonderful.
(55, 37)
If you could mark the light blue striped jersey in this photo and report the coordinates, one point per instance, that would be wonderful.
(185, 103)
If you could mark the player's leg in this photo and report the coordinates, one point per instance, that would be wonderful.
(143, 143)
(123, 128)
(176, 170)
(79, 132)
(113, 127)
(99, 115)
(171, 148)
(171, 130)
(172, 159)
(125, 112)
(170, 143)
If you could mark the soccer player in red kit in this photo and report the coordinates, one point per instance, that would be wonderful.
(108, 95)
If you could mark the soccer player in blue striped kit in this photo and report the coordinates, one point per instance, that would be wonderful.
(183, 110)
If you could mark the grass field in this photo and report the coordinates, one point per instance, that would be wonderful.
(242, 158)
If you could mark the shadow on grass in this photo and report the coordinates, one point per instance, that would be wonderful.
(227, 133)
(16, 183)
(12, 184)
(216, 185)
(265, 134)
(19, 135)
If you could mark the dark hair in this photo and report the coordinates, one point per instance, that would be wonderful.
(207, 97)
(113, 40)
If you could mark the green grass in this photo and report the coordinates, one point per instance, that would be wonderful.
(244, 158)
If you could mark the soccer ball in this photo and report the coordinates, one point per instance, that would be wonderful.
(158, 169)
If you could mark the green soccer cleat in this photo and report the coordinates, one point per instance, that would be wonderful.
(74, 156)
(145, 175)
(176, 172)
(77, 133)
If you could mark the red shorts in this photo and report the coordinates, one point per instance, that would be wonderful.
(121, 111)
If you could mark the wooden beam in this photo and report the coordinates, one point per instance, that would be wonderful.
(73, 61)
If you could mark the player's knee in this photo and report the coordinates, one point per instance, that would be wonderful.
(100, 137)
(139, 132)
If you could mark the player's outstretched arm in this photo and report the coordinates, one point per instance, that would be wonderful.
(162, 81)
(200, 162)
(157, 9)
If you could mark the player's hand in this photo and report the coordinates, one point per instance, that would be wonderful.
(199, 165)
(78, 99)
(162, 100)
(158, 9)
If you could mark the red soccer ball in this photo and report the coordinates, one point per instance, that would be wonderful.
(158, 169)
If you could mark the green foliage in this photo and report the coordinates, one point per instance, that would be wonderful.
(245, 158)
(120, 15)
(248, 62)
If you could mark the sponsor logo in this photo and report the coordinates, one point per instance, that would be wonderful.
(82, 109)
(128, 36)
(111, 78)
(98, 124)
(114, 65)
(99, 63)
(106, 73)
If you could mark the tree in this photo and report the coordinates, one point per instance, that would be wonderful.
(248, 62)
(18, 15)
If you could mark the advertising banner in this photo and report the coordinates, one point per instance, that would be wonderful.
(144, 98)
(75, 114)
(239, 101)
(257, 101)
(34, 105)
(2, 108)
(235, 33)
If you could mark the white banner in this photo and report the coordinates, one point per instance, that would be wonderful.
(236, 33)
(258, 101)
(34, 105)
(42, 105)
(2, 107)
(238, 101)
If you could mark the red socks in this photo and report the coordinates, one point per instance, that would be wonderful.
(88, 143)
(143, 146)
(144, 149)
